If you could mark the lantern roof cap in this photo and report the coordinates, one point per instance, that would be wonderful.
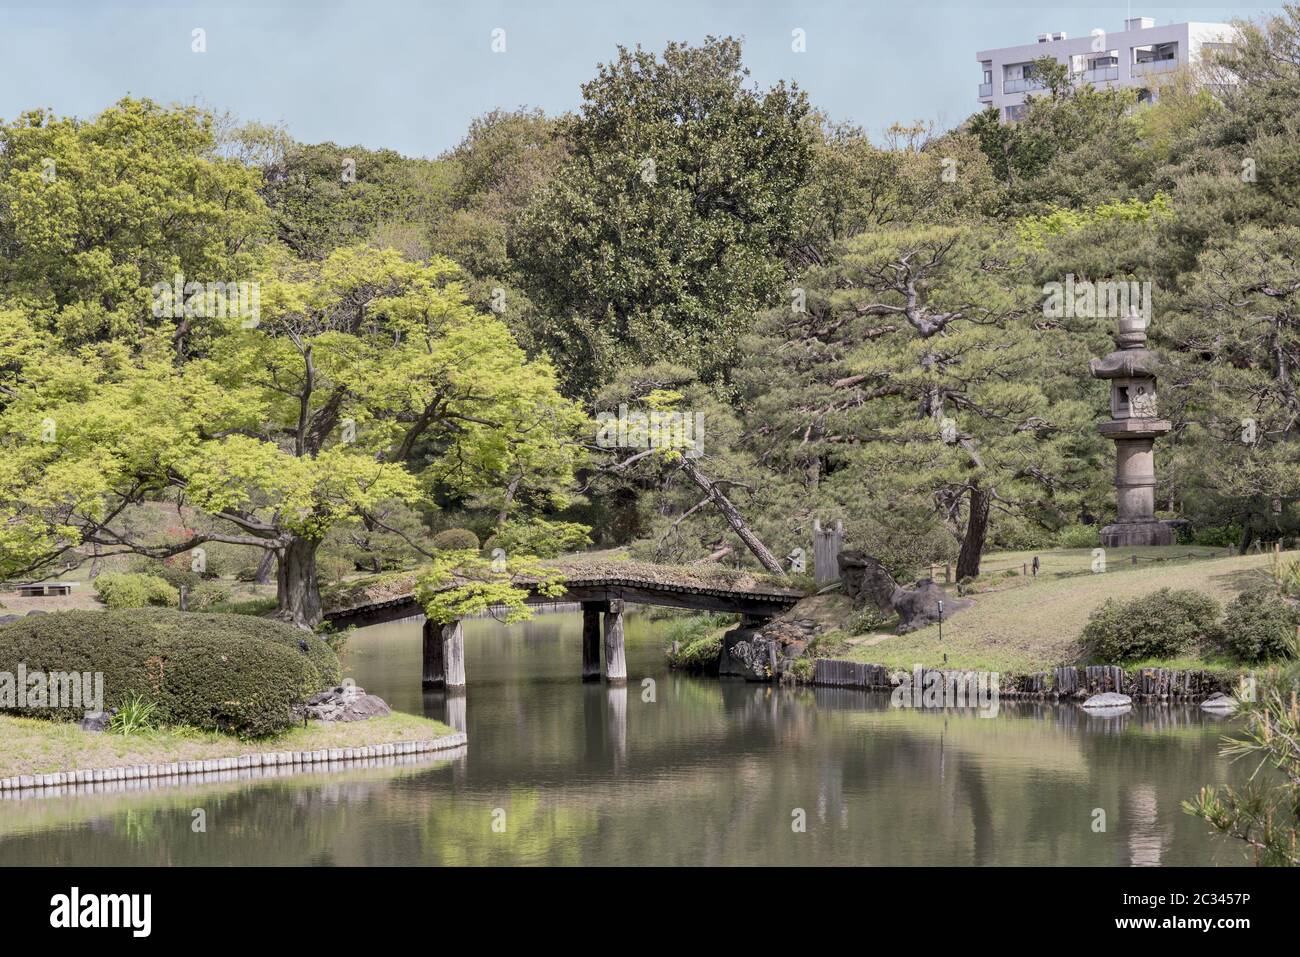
(1132, 358)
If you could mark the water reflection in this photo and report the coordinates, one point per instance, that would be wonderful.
(700, 772)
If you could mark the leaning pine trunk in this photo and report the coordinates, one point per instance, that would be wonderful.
(297, 592)
(977, 526)
(733, 517)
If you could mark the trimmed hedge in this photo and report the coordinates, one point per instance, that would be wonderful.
(455, 539)
(134, 590)
(1162, 624)
(230, 673)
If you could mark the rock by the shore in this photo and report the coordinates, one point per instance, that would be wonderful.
(1107, 701)
(1219, 703)
(343, 704)
(5, 619)
(96, 721)
(919, 607)
(867, 581)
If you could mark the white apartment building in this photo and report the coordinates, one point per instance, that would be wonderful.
(1128, 58)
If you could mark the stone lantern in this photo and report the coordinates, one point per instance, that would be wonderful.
(1134, 426)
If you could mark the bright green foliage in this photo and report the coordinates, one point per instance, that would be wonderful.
(541, 538)
(134, 590)
(367, 379)
(462, 584)
(97, 212)
(135, 714)
(668, 226)
(1033, 230)
(1164, 624)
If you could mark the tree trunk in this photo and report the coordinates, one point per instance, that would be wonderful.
(1247, 534)
(977, 526)
(504, 515)
(297, 592)
(729, 512)
(95, 564)
(264, 567)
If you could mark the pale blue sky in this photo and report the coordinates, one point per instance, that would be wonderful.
(410, 76)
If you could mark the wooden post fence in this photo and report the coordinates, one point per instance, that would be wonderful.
(826, 552)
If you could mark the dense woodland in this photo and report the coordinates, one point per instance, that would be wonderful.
(860, 323)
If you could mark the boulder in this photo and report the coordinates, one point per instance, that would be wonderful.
(343, 704)
(760, 652)
(1219, 703)
(5, 619)
(867, 581)
(96, 721)
(919, 607)
(1107, 701)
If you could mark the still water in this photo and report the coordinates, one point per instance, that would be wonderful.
(681, 771)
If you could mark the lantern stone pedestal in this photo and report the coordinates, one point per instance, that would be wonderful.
(1133, 427)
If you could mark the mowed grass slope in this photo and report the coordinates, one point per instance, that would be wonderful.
(1026, 624)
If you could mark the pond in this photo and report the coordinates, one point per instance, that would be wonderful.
(677, 770)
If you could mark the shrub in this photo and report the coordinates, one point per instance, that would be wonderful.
(333, 568)
(227, 673)
(1286, 574)
(137, 713)
(871, 619)
(134, 590)
(178, 576)
(701, 654)
(206, 595)
(1078, 536)
(455, 539)
(1220, 536)
(1259, 625)
(1163, 624)
(249, 605)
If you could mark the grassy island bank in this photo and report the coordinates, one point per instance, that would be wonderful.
(36, 746)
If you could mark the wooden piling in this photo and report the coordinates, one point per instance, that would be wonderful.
(590, 642)
(453, 655)
(827, 543)
(615, 663)
(433, 659)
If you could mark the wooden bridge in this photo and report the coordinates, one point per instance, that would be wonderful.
(602, 589)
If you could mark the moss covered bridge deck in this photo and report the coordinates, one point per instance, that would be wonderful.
(601, 587)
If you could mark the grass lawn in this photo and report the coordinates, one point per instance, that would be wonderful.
(1024, 624)
(33, 746)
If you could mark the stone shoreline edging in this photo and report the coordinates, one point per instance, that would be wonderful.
(1068, 681)
(258, 760)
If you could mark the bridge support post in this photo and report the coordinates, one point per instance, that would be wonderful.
(615, 664)
(432, 636)
(453, 654)
(590, 641)
(444, 655)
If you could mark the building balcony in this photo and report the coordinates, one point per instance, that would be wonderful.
(1099, 75)
(1022, 85)
(986, 90)
(1147, 67)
